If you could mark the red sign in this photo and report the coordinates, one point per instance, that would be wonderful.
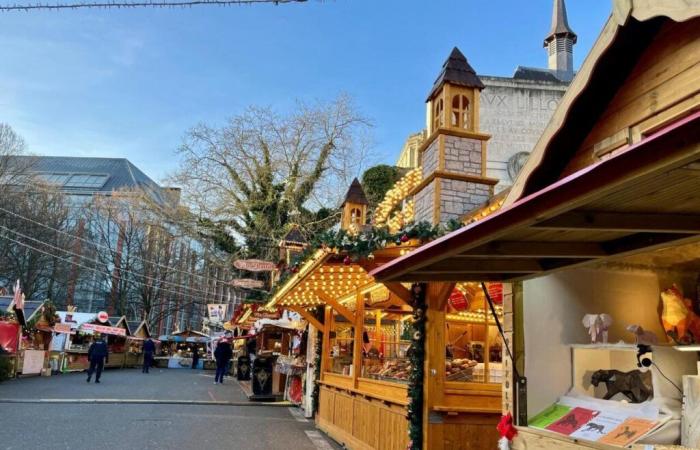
(103, 317)
(458, 300)
(247, 283)
(9, 334)
(103, 329)
(255, 265)
(495, 292)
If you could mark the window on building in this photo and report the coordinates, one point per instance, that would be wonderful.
(86, 181)
(356, 216)
(460, 111)
(437, 118)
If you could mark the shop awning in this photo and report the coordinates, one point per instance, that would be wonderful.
(643, 198)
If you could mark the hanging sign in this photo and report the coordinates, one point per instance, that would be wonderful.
(62, 328)
(247, 283)
(217, 311)
(458, 300)
(103, 317)
(255, 265)
(103, 329)
(495, 292)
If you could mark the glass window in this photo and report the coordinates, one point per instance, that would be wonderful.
(437, 118)
(386, 339)
(474, 349)
(341, 345)
(460, 111)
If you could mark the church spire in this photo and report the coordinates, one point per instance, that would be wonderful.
(559, 43)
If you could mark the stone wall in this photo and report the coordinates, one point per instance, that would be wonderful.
(514, 112)
(459, 197)
(424, 203)
(430, 158)
(462, 155)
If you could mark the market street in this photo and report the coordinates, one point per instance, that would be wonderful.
(147, 425)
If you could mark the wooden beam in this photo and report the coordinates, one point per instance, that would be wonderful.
(517, 265)
(333, 303)
(359, 326)
(646, 241)
(307, 316)
(400, 291)
(623, 222)
(326, 339)
(520, 249)
(457, 277)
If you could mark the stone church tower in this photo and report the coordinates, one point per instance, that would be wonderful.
(453, 157)
(560, 44)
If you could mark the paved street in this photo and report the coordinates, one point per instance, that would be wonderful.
(147, 425)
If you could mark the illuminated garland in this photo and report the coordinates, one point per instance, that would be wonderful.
(417, 375)
(393, 198)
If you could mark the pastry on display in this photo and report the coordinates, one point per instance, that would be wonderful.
(460, 369)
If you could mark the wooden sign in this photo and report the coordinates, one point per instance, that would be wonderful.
(247, 283)
(255, 265)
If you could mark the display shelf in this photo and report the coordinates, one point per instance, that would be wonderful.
(687, 348)
(618, 346)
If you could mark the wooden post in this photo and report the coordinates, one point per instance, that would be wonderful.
(357, 343)
(328, 316)
(435, 342)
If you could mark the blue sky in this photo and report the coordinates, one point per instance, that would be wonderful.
(129, 83)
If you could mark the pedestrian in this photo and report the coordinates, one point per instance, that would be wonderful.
(195, 357)
(149, 349)
(98, 355)
(223, 355)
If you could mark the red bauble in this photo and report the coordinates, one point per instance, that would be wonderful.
(347, 261)
(404, 238)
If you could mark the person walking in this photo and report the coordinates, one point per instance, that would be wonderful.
(149, 349)
(223, 355)
(195, 357)
(98, 355)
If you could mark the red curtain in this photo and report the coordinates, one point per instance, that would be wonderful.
(9, 336)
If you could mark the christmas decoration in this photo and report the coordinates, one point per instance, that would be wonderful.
(507, 431)
(416, 377)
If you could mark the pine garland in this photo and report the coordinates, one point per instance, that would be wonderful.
(318, 352)
(417, 375)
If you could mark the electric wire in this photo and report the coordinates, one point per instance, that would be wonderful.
(667, 378)
(142, 4)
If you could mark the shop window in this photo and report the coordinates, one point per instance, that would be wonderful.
(460, 111)
(356, 216)
(437, 114)
(386, 338)
(474, 350)
(341, 345)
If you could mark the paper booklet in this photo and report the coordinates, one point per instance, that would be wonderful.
(598, 427)
(628, 432)
(572, 421)
(549, 416)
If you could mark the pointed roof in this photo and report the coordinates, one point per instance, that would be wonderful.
(355, 194)
(560, 24)
(456, 70)
(294, 236)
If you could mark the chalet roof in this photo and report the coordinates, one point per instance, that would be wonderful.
(560, 23)
(626, 35)
(535, 74)
(294, 236)
(356, 194)
(456, 70)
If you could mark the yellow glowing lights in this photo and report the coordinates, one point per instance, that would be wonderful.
(394, 197)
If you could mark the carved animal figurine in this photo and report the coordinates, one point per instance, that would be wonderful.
(642, 337)
(634, 384)
(678, 318)
(598, 428)
(597, 325)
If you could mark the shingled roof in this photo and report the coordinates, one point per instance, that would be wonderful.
(356, 194)
(560, 24)
(456, 70)
(294, 236)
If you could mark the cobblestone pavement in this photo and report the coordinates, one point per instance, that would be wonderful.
(148, 425)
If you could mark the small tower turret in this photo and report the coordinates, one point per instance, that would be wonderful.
(560, 43)
(354, 214)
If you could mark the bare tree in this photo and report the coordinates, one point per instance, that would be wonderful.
(264, 170)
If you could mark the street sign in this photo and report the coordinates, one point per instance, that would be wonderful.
(247, 283)
(103, 317)
(255, 265)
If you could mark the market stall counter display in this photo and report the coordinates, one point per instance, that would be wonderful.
(177, 349)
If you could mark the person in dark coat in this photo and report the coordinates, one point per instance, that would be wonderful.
(98, 355)
(195, 357)
(223, 355)
(149, 349)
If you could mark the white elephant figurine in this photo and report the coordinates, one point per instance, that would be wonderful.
(598, 325)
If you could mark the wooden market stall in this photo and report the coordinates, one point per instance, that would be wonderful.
(176, 349)
(139, 332)
(368, 343)
(604, 219)
(118, 343)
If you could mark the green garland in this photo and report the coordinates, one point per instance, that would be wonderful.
(417, 375)
(318, 352)
(362, 245)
